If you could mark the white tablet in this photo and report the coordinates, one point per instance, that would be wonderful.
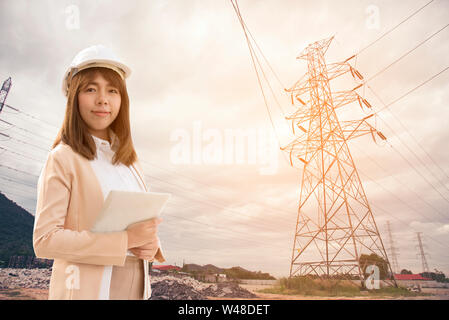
(123, 208)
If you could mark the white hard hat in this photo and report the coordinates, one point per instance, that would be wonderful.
(94, 56)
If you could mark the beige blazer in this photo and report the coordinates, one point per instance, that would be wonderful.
(69, 198)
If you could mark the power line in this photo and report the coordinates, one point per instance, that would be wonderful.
(24, 142)
(419, 173)
(407, 131)
(17, 170)
(214, 233)
(184, 190)
(406, 54)
(175, 185)
(25, 156)
(414, 153)
(410, 91)
(15, 181)
(178, 174)
(254, 59)
(39, 160)
(393, 216)
(14, 126)
(395, 27)
(30, 116)
(417, 195)
(399, 199)
(225, 209)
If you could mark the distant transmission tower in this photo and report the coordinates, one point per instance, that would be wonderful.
(393, 251)
(335, 224)
(4, 92)
(425, 266)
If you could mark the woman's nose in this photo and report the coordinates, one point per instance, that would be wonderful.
(101, 98)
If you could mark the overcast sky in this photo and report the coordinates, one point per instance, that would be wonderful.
(192, 82)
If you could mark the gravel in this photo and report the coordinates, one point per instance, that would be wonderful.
(186, 288)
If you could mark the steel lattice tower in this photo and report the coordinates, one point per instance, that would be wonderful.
(393, 250)
(4, 92)
(425, 266)
(335, 223)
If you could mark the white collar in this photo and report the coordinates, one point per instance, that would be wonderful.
(105, 143)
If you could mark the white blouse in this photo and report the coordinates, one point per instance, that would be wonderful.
(112, 177)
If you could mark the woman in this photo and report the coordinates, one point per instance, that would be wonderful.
(93, 154)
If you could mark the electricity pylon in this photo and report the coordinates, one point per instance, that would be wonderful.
(4, 92)
(393, 251)
(335, 223)
(425, 266)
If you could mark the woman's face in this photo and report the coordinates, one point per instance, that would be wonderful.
(99, 104)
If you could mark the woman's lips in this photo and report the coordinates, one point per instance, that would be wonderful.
(101, 114)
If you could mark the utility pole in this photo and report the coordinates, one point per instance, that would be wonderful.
(335, 224)
(425, 266)
(393, 251)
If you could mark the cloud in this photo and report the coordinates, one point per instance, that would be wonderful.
(190, 62)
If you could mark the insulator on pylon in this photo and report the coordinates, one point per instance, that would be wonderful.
(372, 130)
(367, 117)
(299, 99)
(350, 69)
(360, 102)
(349, 58)
(293, 102)
(302, 128)
(380, 134)
(358, 74)
(305, 162)
(367, 104)
(357, 87)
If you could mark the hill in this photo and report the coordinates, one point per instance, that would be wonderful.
(16, 231)
(233, 273)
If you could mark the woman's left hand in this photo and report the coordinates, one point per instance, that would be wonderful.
(146, 251)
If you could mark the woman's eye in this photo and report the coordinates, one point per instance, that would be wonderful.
(90, 89)
(113, 91)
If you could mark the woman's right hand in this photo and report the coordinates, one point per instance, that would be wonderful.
(143, 232)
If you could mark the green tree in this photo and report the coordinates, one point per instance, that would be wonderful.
(373, 259)
(405, 271)
(438, 276)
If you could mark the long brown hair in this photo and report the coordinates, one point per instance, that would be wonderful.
(74, 131)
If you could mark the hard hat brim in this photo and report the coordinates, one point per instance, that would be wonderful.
(118, 67)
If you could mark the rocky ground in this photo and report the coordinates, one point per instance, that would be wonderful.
(24, 278)
(164, 287)
(186, 288)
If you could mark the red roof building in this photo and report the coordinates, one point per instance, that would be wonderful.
(410, 277)
(166, 267)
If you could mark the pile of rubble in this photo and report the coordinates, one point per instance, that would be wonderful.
(186, 288)
(24, 278)
(164, 287)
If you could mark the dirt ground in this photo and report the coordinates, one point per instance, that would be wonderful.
(23, 294)
(437, 294)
